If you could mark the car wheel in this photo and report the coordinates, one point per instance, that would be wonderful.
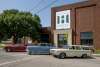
(62, 55)
(84, 56)
(8, 50)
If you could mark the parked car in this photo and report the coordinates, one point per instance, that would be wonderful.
(40, 48)
(71, 51)
(15, 48)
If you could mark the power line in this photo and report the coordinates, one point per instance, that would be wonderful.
(36, 5)
(46, 6)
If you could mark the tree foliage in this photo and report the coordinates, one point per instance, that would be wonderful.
(18, 24)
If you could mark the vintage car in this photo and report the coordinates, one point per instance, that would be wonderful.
(15, 48)
(72, 51)
(40, 48)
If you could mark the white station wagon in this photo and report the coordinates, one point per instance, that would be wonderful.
(72, 51)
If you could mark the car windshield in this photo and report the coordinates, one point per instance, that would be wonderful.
(45, 44)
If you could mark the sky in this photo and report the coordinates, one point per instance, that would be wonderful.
(34, 6)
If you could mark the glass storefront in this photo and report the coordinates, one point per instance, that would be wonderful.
(62, 40)
(86, 38)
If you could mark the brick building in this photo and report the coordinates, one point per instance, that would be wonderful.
(77, 23)
(45, 35)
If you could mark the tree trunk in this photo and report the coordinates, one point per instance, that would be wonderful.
(15, 39)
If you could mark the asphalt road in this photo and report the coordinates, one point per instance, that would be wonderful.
(10, 56)
(23, 60)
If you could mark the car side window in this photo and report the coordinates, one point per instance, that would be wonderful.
(49, 45)
(78, 48)
(75, 48)
(85, 48)
(72, 47)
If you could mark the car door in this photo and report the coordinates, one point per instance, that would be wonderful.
(70, 52)
(21, 48)
(44, 48)
(75, 51)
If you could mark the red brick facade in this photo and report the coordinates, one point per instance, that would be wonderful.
(85, 16)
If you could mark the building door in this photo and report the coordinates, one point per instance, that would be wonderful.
(62, 40)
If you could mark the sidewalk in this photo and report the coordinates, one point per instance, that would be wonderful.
(97, 55)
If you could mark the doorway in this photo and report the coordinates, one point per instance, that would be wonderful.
(62, 40)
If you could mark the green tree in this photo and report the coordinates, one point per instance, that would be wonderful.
(18, 24)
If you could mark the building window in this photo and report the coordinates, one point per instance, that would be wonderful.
(62, 18)
(67, 18)
(86, 38)
(58, 19)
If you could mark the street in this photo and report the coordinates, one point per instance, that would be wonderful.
(16, 59)
(10, 56)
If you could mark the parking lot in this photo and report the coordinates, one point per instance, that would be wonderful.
(16, 59)
(10, 56)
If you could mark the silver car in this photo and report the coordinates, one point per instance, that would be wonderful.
(71, 51)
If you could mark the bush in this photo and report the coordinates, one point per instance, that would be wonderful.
(2, 45)
(97, 52)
